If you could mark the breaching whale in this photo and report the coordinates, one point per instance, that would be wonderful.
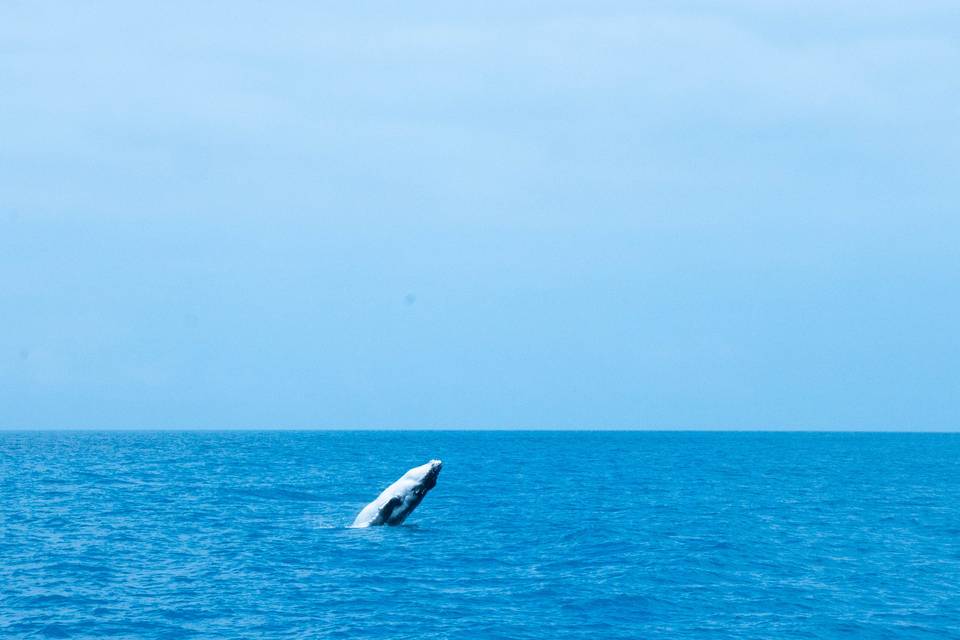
(400, 499)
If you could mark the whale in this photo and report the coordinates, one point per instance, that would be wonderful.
(398, 501)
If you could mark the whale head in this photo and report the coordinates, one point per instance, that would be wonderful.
(424, 477)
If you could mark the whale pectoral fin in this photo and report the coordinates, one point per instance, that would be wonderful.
(387, 509)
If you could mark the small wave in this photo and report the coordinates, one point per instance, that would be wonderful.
(276, 493)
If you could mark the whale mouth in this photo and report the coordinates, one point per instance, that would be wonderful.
(430, 481)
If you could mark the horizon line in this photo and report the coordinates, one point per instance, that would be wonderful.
(948, 430)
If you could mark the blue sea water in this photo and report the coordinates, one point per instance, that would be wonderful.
(526, 535)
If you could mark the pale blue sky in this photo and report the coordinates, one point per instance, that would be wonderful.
(736, 214)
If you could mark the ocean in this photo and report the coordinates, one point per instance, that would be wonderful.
(527, 535)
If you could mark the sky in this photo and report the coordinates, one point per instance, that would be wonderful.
(736, 214)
